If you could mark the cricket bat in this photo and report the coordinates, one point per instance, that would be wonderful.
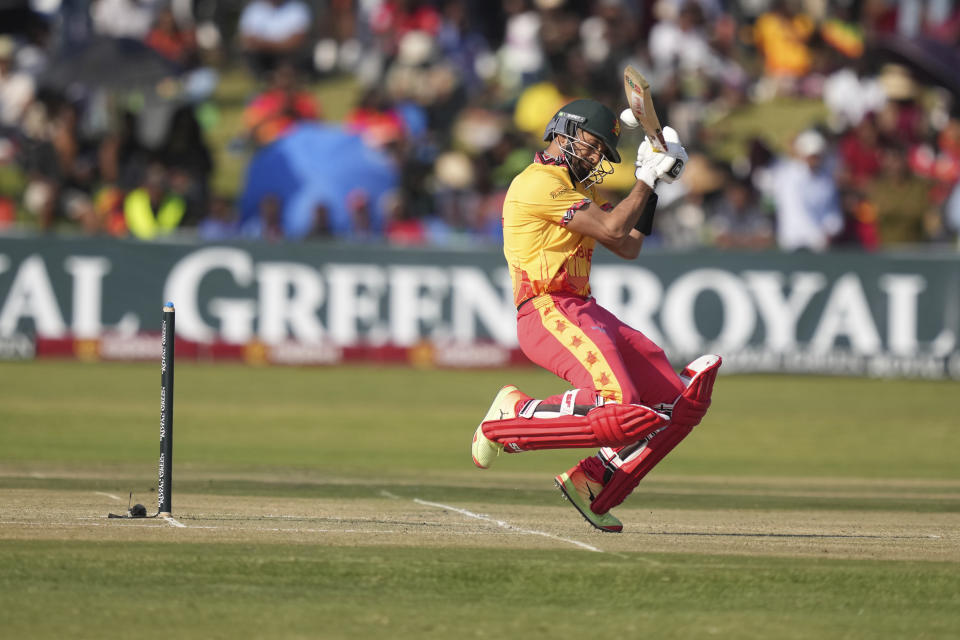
(641, 104)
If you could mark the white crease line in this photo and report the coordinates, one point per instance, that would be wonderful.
(57, 524)
(109, 495)
(254, 529)
(174, 522)
(290, 529)
(507, 525)
(387, 494)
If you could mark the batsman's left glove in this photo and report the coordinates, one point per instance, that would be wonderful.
(664, 165)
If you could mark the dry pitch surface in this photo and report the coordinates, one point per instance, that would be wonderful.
(401, 518)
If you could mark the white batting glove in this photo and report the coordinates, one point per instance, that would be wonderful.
(664, 165)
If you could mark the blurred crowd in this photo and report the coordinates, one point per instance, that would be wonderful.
(810, 124)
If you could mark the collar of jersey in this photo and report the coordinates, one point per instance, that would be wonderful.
(541, 157)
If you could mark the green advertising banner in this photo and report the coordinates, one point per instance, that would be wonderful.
(838, 313)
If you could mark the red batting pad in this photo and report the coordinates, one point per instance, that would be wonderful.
(692, 405)
(626, 478)
(611, 425)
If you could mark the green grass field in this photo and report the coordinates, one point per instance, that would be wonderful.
(342, 503)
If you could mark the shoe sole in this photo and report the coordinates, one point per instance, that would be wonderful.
(475, 461)
(566, 496)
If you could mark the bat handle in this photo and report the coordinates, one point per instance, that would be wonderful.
(660, 141)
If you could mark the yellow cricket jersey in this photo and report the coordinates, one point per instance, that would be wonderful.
(543, 255)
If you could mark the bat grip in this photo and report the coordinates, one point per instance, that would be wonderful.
(659, 141)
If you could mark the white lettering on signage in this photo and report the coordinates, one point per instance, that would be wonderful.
(416, 303)
(679, 320)
(475, 297)
(31, 296)
(847, 314)
(354, 302)
(88, 273)
(781, 313)
(290, 297)
(760, 312)
(902, 292)
(183, 285)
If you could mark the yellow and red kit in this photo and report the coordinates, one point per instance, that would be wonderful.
(559, 326)
(543, 255)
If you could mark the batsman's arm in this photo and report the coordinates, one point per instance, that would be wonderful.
(614, 229)
(629, 247)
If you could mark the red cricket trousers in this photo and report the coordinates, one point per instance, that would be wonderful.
(592, 349)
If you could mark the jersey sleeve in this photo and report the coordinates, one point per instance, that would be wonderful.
(545, 195)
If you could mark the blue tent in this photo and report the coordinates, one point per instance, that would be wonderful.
(319, 165)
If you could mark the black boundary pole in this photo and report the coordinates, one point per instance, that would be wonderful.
(165, 480)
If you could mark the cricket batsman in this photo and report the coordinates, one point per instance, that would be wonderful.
(626, 399)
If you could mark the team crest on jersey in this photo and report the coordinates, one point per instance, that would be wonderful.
(616, 127)
(559, 191)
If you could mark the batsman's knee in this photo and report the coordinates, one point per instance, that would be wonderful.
(616, 425)
(699, 376)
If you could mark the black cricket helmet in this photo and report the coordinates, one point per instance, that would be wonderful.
(591, 116)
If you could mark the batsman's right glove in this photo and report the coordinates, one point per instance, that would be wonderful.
(665, 165)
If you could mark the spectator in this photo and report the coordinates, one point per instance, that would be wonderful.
(269, 224)
(108, 208)
(16, 87)
(684, 203)
(361, 216)
(34, 49)
(123, 18)
(376, 120)
(220, 223)
(521, 55)
(464, 46)
(282, 105)
(272, 31)
(901, 198)
(454, 195)
(939, 163)
(394, 19)
(851, 97)
(902, 118)
(38, 159)
(681, 43)
(404, 228)
(737, 221)
(419, 76)
(559, 29)
(805, 196)
(176, 44)
(609, 36)
(74, 178)
(952, 212)
(123, 158)
(860, 153)
(321, 222)
(859, 221)
(683, 225)
(781, 35)
(152, 210)
(8, 213)
(187, 156)
(462, 76)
